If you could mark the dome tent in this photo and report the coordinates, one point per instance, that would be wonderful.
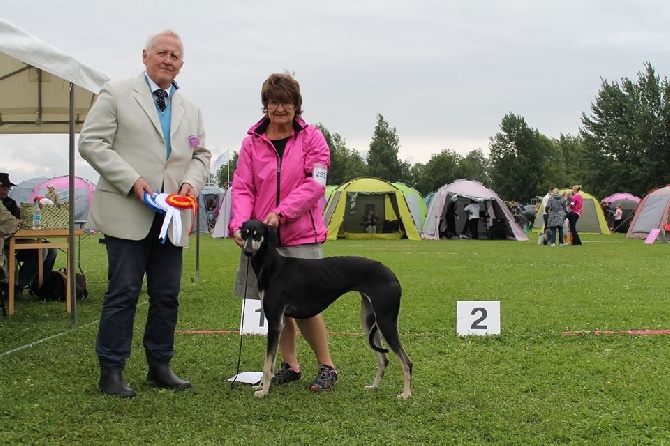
(417, 206)
(350, 202)
(21, 192)
(26, 191)
(329, 190)
(223, 215)
(592, 220)
(628, 203)
(209, 201)
(620, 196)
(653, 212)
(461, 192)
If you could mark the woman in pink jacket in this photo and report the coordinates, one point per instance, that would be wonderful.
(273, 182)
(574, 212)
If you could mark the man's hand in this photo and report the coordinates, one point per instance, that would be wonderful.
(187, 190)
(140, 187)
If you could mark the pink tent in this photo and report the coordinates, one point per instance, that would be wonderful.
(83, 193)
(499, 222)
(620, 196)
(653, 212)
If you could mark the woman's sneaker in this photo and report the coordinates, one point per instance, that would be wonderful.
(325, 380)
(286, 375)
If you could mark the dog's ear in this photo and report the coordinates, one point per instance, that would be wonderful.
(273, 238)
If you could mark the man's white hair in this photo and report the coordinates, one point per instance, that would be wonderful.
(151, 41)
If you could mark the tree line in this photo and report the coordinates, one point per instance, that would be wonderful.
(623, 145)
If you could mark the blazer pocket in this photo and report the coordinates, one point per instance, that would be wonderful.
(107, 187)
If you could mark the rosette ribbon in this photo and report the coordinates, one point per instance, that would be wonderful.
(172, 205)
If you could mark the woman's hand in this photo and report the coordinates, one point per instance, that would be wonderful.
(237, 236)
(271, 220)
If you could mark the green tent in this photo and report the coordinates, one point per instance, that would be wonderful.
(415, 203)
(349, 204)
(329, 190)
(592, 220)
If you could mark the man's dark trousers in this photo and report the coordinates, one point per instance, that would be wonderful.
(128, 261)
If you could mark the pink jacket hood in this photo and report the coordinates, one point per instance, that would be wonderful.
(264, 183)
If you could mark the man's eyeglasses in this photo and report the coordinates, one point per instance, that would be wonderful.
(273, 105)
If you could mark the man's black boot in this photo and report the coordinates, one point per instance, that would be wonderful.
(161, 373)
(112, 383)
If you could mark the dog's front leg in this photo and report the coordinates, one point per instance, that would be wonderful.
(274, 332)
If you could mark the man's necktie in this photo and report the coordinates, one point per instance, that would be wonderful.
(161, 95)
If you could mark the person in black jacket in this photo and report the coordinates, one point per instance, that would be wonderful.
(27, 257)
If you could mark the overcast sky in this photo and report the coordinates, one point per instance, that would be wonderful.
(443, 73)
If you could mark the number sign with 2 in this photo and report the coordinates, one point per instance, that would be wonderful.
(477, 317)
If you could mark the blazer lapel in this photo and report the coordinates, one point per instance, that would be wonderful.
(177, 115)
(145, 101)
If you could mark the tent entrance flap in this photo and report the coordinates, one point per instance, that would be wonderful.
(346, 211)
(495, 220)
(357, 207)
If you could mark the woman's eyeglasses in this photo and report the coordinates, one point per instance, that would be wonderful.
(273, 105)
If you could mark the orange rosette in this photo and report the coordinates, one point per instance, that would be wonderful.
(181, 201)
(184, 202)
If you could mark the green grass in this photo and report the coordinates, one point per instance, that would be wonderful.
(531, 385)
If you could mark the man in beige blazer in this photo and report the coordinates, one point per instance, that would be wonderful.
(142, 136)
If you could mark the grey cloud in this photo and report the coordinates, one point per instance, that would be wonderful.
(443, 73)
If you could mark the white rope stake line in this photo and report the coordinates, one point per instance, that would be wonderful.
(32, 344)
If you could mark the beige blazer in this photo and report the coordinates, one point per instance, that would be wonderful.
(8, 226)
(122, 140)
(8, 223)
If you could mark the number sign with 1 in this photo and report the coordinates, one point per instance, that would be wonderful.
(253, 319)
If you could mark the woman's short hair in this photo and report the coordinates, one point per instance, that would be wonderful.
(281, 87)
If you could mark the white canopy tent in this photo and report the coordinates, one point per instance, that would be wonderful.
(44, 90)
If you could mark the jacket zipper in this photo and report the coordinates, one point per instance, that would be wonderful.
(279, 159)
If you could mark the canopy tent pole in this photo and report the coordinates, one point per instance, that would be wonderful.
(70, 251)
(36, 102)
(197, 245)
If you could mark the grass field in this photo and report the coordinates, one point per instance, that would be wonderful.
(532, 384)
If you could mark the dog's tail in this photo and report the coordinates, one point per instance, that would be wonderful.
(371, 340)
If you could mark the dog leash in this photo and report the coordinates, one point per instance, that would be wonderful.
(244, 303)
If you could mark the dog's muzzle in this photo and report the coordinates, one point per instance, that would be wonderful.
(251, 246)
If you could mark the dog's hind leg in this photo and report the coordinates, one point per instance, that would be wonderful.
(385, 304)
(369, 323)
(274, 332)
(390, 331)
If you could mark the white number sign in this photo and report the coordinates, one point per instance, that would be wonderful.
(253, 319)
(478, 317)
(320, 174)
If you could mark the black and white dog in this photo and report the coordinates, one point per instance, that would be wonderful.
(302, 288)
